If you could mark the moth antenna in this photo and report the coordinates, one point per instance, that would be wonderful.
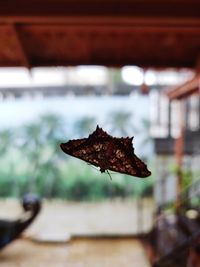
(92, 166)
(109, 175)
(113, 173)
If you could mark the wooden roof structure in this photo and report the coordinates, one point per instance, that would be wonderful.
(184, 90)
(147, 33)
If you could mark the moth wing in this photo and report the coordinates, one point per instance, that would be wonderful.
(108, 153)
(91, 152)
(124, 160)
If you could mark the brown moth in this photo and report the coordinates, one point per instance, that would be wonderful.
(108, 153)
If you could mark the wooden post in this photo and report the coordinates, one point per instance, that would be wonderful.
(179, 152)
(139, 215)
(169, 119)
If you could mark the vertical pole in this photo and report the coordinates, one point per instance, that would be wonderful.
(179, 152)
(110, 89)
(187, 110)
(140, 215)
(199, 108)
(169, 119)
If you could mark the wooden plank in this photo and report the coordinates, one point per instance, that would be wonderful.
(123, 44)
(179, 152)
(152, 8)
(101, 20)
(147, 32)
(23, 55)
(9, 49)
(190, 87)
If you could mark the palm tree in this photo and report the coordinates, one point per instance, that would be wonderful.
(85, 125)
(40, 144)
(52, 125)
(52, 130)
(120, 122)
(8, 154)
(6, 141)
(145, 133)
(32, 147)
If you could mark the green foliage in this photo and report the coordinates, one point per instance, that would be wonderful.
(82, 182)
(187, 175)
(187, 178)
(6, 185)
(120, 122)
(84, 126)
(31, 160)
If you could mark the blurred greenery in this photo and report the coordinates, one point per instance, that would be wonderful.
(32, 161)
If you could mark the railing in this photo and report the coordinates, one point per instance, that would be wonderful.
(165, 146)
(175, 233)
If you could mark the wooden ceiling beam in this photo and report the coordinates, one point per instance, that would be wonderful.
(190, 87)
(148, 33)
(101, 20)
(138, 8)
(23, 55)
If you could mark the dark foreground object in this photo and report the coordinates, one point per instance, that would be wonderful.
(10, 230)
(175, 241)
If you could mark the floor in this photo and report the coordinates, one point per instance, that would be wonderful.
(77, 253)
(52, 239)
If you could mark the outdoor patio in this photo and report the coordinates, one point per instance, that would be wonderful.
(79, 235)
(78, 253)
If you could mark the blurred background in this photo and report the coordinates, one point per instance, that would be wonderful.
(134, 71)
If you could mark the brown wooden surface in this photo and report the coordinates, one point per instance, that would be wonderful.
(152, 8)
(186, 89)
(147, 33)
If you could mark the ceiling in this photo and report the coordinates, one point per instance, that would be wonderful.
(147, 33)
